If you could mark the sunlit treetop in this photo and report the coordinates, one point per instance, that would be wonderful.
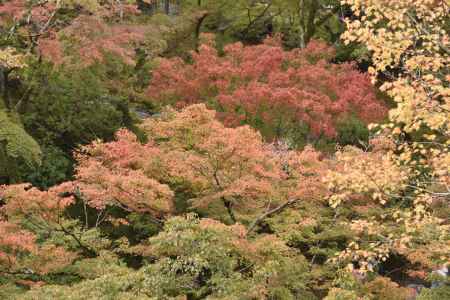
(409, 38)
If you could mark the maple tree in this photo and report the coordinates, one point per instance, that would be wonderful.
(32, 89)
(58, 30)
(19, 245)
(228, 173)
(195, 154)
(271, 89)
(409, 43)
(89, 38)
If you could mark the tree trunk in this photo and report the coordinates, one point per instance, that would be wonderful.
(310, 28)
(167, 7)
(229, 206)
(4, 93)
(198, 28)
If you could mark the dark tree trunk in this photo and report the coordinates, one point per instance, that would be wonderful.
(4, 93)
(198, 28)
(167, 7)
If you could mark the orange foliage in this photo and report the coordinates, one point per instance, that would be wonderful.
(226, 163)
(46, 205)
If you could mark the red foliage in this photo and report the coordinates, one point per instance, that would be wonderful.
(89, 34)
(19, 247)
(51, 49)
(18, 9)
(266, 83)
(14, 9)
(91, 37)
(13, 240)
(188, 151)
(46, 205)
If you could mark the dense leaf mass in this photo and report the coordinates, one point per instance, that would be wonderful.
(269, 88)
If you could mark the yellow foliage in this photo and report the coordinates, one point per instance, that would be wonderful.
(373, 174)
(408, 173)
(411, 35)
(9, 59)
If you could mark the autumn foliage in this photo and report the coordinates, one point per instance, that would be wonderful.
(19, 247)
(228, 173)
(221, 192)
(268, 87)
(89, 38)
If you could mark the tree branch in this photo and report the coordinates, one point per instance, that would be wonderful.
(270, 213)
(256, 19)
(88, 251)
(327, 16)
(227, 203)
(423, 30)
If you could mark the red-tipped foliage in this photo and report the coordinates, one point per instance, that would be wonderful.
(265, 84)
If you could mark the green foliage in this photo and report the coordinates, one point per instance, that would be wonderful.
(438, 293)
(300, 21)
(55, 168)
(192, 261)
(312, 229)
(10, 291)
(63, 108)
(204, 258)
(351, 131)
(71, 107)
(252, 21)
(16, 148)
(338, 294)
(120, 285)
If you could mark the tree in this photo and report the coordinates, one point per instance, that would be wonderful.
(79, 42)
(68, 107)
(302, 20)
(199, 158)
(103, 276)
(252, 21)
(228, 173)
(26, 213)
(406, 172)
(294, 94)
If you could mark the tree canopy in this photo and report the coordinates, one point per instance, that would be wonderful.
(272, 149)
